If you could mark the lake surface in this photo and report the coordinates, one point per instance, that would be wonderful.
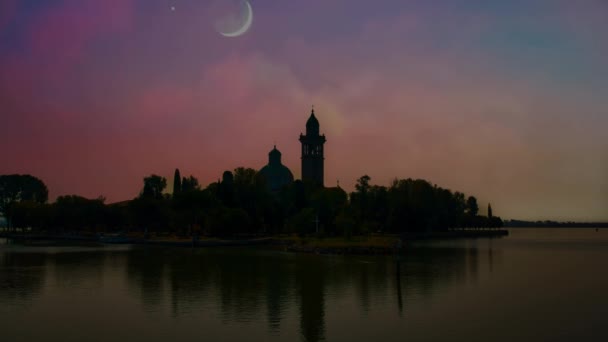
(535, 285)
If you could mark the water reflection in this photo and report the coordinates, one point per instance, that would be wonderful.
(425, 268)
(81, 270)
(22, 276)
(161, 294)
(145, 270)
(311, 277)
(244, 286)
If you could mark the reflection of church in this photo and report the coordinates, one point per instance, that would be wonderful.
(278, 175)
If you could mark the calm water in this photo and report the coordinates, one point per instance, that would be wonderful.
(536, 285)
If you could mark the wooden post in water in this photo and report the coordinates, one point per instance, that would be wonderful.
(399, 296)
(399, 248)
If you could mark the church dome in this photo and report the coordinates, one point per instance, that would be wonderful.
(276, 174)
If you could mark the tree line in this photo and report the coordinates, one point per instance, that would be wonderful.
(241, 204)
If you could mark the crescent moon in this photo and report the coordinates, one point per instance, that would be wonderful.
(245, 26)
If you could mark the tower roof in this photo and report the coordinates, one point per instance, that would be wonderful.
(312, 125)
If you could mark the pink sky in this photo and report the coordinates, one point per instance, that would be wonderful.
(503, 102)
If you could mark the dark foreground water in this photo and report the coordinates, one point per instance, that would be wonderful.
(536, 285)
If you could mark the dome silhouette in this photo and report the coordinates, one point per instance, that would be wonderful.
(276, 174)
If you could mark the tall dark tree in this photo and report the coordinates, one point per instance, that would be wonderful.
(191, 207)
(362, 185)
(250, 194)
(328, 204)
(154, 186)
(359, 198)
(472, 206)
(226, 189)
(177, 182)
(79, 213)
(190, 184)
(17, 188)
(30, 214)
(20, 188)
(489, 211)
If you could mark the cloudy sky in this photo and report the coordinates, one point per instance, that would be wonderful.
(504, 100)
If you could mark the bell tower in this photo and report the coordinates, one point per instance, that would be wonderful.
(312, 151)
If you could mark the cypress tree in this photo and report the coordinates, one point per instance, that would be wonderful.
(177, 182)
(472, 206)
(489, 210)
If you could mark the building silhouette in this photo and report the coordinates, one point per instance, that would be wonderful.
(312, 152)
(275, 173)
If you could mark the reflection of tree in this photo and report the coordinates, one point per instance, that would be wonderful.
(238, 280)
(75, 268)
(241, 281)
(369, 277)
(189, 280)
(22, 275)
(473, 259)
(145, 269)
(279, 282)
(425, 268)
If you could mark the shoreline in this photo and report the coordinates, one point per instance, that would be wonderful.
(387, 244)
(358, 245)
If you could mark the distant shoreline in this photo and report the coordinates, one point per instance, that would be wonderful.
(553, 224)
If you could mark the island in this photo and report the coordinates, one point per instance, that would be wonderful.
(251, 207)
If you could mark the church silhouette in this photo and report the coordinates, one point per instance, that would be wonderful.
(278, 175)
